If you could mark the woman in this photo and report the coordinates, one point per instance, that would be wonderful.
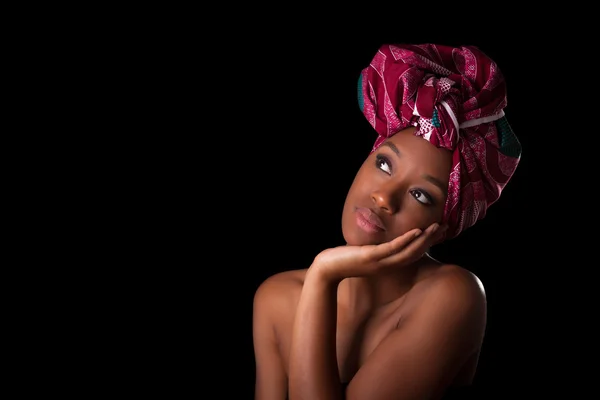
(379, 318)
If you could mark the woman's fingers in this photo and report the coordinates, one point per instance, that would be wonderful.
(409, 246)
(391, 248)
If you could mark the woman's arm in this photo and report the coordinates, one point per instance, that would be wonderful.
(313, 366)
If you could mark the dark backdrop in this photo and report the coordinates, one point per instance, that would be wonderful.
(255, 142)
(221, 144)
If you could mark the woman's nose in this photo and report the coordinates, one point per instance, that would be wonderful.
(386, 199)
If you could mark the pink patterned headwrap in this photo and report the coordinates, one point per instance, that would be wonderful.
(455, 97)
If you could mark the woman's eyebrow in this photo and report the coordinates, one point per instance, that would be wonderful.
(393, 147)
(436, 182)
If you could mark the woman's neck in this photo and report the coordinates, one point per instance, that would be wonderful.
(367, 294)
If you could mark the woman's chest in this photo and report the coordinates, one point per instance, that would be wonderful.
(356, 338)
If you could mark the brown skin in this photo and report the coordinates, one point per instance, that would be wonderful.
(378, 313)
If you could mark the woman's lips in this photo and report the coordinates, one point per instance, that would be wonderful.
(368, 221)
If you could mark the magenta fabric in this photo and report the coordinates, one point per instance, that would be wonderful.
(455, 96)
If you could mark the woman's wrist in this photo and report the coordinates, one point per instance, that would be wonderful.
(320, 274)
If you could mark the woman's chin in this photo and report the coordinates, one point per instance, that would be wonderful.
(359, 238)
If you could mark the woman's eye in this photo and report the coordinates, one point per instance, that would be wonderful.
(383, 164)
(421, 197)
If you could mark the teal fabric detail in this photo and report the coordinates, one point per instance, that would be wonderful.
(509, 144)
(361, 101)
(435, 120)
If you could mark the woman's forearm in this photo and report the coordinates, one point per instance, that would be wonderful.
(313, 370)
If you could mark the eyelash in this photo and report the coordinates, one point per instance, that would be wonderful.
(380, 159)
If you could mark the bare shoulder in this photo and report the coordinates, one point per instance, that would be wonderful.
(445, 278)
(279, 293)
(282, 282)
(275, 302)
(450, 288)
(460, 281)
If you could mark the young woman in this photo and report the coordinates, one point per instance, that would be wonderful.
(378, 318)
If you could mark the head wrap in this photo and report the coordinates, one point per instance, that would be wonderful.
(455, 97)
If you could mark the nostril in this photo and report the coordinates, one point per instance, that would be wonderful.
(383, 203)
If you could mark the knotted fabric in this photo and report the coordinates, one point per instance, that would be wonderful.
(455, 97)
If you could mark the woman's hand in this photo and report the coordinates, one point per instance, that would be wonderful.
(342, 262)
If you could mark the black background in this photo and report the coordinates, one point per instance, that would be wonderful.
(251, 138)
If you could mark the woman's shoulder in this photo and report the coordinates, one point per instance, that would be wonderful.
(284, 280)
(452, 299)
(438, 274)
(280, 290)
(452, 282)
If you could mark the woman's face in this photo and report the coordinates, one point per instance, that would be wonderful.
(400, 186)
